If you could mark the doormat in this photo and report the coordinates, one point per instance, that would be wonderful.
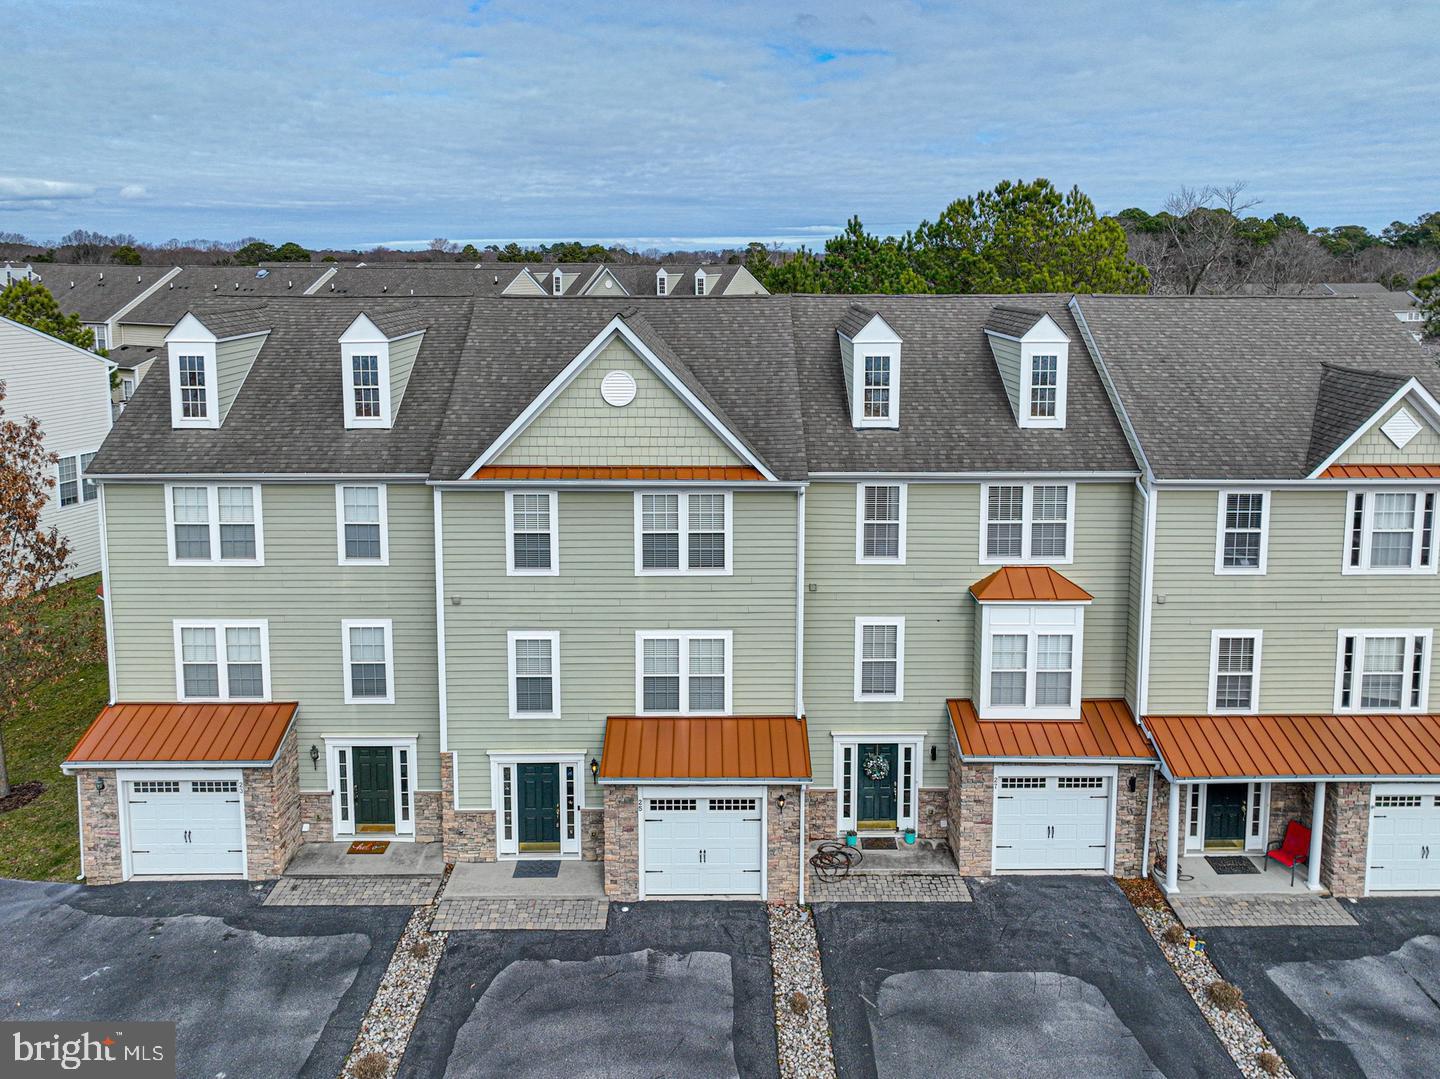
(368, 846)
(1230, 865)
(537, 869)
(877, 843)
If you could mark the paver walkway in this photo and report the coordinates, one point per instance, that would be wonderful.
(526, 913)
(352, 891)
(1259, 910)
(888, 888)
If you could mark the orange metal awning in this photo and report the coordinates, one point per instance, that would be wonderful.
(1381, 472)
(696, 473)
(1028, 584)
(1297, 746)
(706, 748)
(1105, 731)
(136, 733)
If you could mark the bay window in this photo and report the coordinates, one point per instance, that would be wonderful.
(1030, 660)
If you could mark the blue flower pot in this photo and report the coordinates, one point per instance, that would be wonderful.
(852, 840)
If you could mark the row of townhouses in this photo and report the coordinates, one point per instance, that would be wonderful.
(1076, 583)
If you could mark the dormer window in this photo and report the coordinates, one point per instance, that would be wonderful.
(701, 282)
(1031, 354)
(557, 283)
(194, 394)
(870, 354)
(365, 385)
(193, 379)
(365, 372)
(662, 283)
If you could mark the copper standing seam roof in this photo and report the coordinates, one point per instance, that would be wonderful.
(191, 733)
(1028, 584)
(1106, 730)
(1294, 746)
(706, 747)
(1381, 472)
(721, 473)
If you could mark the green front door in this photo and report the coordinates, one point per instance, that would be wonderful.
(374, 787)
(539, 786)
(877, 771)
(1225, 814)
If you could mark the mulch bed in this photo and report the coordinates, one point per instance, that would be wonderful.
(22, 794)
(1143, 893)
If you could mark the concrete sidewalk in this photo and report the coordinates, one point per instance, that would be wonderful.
(498, 880)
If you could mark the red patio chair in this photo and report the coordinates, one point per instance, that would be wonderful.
(1293, 850)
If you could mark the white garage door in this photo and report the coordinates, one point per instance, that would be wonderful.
(1053, 821)
(1405, 838)
(711, 845)
(185, 825)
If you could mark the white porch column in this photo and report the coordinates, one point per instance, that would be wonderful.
(1317, 830)
(1172, 841)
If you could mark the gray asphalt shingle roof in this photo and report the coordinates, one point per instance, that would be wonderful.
(95, 293)
(1345, 400)
(1226, 387)
(1013, 321)
(197, 285)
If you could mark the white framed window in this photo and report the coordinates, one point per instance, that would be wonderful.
(1030, 660)
(557, 283)
(222, 660)
(876, 386)
(362, 524)
(880, 522)
(127, 387)
(532, 533)
(683, 672)
(193, 379)
(365, 374)
(682, 532)
(1235, 671)
(71, 486)
(369, 660)
(102, 335)
(879, 659)
(1242, 532)
(209, 524)
(662, 283)
(533, 662)
(1383, 670)
(1390, 531)
(702, 283)
(1026, 523)
(1044, 386)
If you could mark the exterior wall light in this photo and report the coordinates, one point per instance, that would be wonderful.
(594, 768)
(315, 758)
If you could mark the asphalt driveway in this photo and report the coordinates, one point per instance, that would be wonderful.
(254, 991)
(667, 989)
(1360, 1000)
(1039, 976)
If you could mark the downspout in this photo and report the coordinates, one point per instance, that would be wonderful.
(440, 623)
(800, 602)
(105, 599)
(1147, 600)
(80, 818)
(804, 792)
(1149, 809)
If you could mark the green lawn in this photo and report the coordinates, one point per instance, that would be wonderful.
(39, 840)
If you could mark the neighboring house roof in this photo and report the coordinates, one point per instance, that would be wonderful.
(95, 293)
(954, 412)
(1354, 288)
(405, 279)
(1227, 387)
(146, 733)
(130, 357)
(1106, 730)
(1297, 746)
(1013, 321)
(195, 285)
(1028, 584)
(705, 748)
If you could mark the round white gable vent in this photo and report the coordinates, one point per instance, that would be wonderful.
(618, 388)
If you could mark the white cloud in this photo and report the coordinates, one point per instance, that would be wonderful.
(132, 191)
(24, 188)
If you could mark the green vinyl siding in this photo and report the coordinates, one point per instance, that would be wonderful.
(402, 359)
(1375, 448)
(931, 592)
(597, 603)
(303, 593)
(1301, 602)
(233, 360)
(1007, 359)
(580, 428)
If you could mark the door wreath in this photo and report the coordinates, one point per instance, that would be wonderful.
(876, 766)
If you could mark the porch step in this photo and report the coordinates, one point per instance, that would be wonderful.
(515, 914)
(1259, 910)
(352, 892)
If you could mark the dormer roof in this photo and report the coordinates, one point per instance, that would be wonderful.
(1347, 398)
(1013, 321)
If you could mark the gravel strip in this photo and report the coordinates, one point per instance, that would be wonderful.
(1237, 1029)
(802, 1037)
(391, 1017)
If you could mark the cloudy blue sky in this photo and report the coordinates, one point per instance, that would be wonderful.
(357, 123)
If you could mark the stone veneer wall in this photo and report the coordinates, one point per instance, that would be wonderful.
(592, 834)
(622, 843)
(1345, 842)
(468, 835)
(429, 826)
(272, 812)
(315, 810)
(782, 868)
(1160, 822)
(100, 825)
(934, 809)
(1130, 818)
(1289, 801)
(820, 814)
(972, 808)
